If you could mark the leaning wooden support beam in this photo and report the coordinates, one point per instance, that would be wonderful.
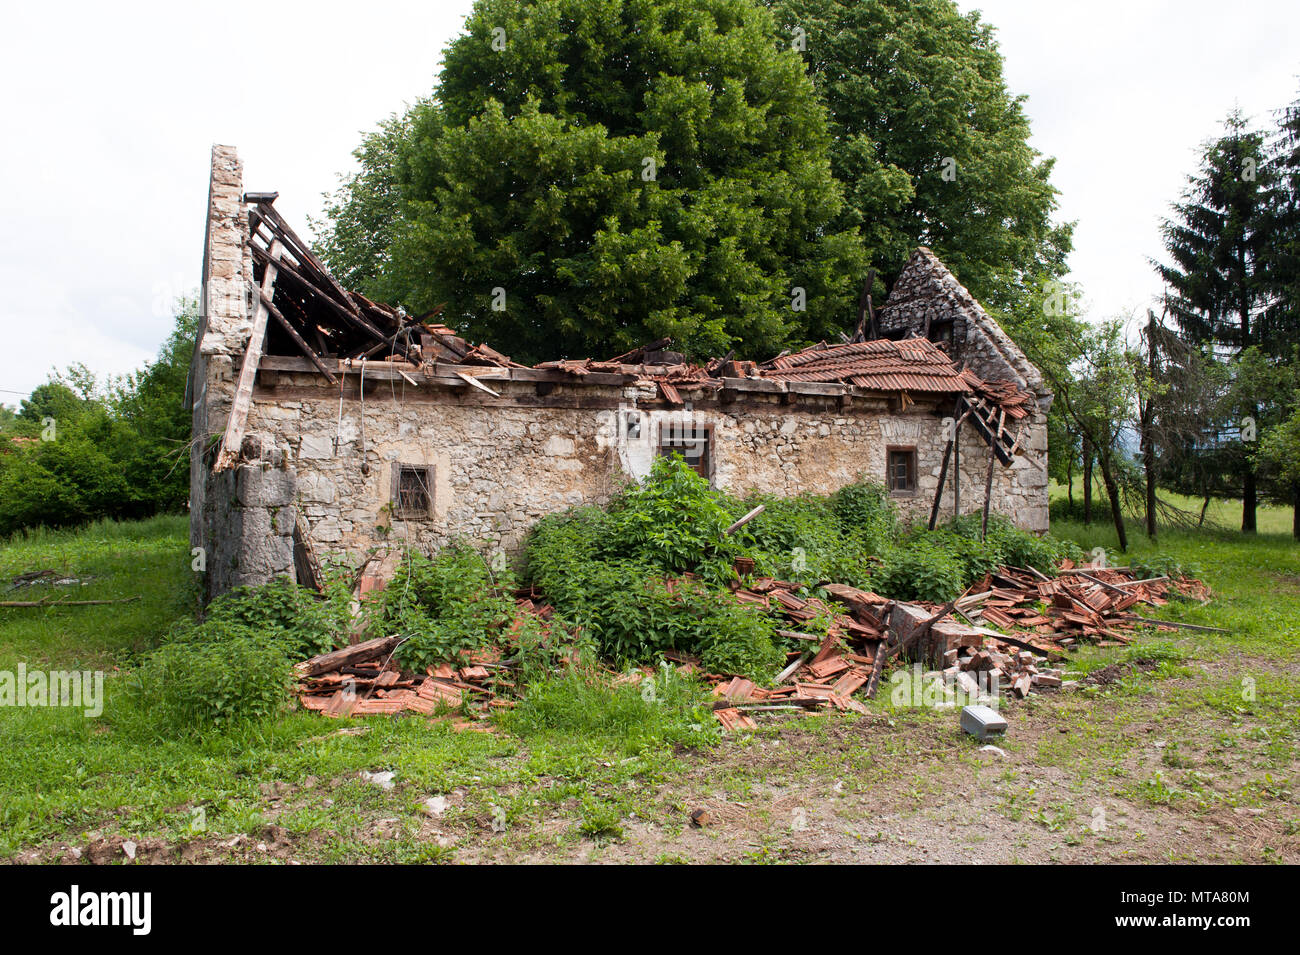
(988, 491)
(943, 478)
(947, 457)
(744, 520)
(237, 423)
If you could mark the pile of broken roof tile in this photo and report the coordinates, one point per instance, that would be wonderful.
(365, 678)
(1039, 619)
(1083, 604)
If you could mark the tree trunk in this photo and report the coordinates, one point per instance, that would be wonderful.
(1069, 480)
(1295, 511)
(1087, 481)
(1249, 501)
(1149, 467)
(1112, 492)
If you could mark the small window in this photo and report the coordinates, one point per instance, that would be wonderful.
(412, 491)
(694, 442)
(941, 333)
(901, 474)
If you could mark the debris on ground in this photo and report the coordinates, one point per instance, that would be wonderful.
(365, 678)
(1038, 620)
(47, 578)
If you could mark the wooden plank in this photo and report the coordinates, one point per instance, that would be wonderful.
(471, 380)
(988, 491)
(238, 420)
(348, 656)
(744, 520)
(306, 565)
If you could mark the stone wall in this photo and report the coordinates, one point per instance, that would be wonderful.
(242, 519)
(500, 464)
(926, 288)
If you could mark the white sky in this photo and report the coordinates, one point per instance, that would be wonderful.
(109, 112)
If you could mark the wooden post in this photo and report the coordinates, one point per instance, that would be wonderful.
(938, 492)
(238, 420)
(988, 489)
(948, 450)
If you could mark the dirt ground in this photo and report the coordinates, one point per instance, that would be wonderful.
(1145, 763)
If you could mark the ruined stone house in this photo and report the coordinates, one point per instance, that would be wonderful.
(325, 422)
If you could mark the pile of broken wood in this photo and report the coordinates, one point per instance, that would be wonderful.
(1039, 619)
(365, 678)
(1046, 617)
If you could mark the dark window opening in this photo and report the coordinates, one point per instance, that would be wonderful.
(941, 333)
(694, 442)
(901, 474)
(412, 491)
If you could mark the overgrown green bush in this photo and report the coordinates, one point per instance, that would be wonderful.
(302, 621)
(865, 509)
(443, 605)
(673, 520)
(801, 539)
(920, 569)
(634, 614)
(213, 675)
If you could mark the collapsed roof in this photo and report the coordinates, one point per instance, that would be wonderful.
(333, 327)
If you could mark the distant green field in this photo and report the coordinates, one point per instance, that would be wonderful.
(1223, 513)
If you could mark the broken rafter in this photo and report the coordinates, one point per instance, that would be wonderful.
(239, 407)
(306, 282)
(300, 341)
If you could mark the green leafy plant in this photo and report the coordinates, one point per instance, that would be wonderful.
(303, 622)
(442, 606)
(211, 676)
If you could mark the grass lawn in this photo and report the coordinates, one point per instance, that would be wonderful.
(1189, 753)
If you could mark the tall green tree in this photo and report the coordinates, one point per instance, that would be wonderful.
(79, 451)
(1097, 393)
(1284, 251)
(591, 175)
(931, 147)
(1218, 241)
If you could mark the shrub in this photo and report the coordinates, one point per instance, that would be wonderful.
(672, 520)
(443, 605)
(1005, 545)
(302, 621)
(214, 675)
(920, 569)
(866, 509)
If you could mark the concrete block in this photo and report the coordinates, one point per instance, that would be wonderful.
(982, 722)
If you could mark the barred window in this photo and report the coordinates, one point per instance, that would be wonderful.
(412, 491)
(694, 442)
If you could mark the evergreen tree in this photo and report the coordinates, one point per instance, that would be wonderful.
(1220, 287)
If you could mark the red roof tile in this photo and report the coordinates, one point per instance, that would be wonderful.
(913, 364)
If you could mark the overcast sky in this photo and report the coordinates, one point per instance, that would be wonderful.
(109, 112)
